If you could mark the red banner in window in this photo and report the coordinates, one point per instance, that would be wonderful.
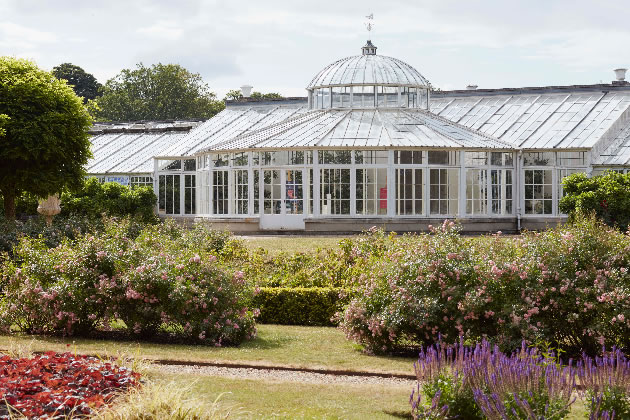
(383, 198)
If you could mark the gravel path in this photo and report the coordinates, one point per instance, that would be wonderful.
(283, 375)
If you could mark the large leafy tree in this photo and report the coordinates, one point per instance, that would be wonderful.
(84, 84)
(608, 196)
(236, 95)
(159, 92)
(46, 143)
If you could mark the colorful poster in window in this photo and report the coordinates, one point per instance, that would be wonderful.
(383, 198)
(122, 180)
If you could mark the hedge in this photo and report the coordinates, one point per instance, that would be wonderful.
(299, 305)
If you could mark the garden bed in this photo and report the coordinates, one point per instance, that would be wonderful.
(59, 385)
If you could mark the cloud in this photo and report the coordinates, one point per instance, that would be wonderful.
(15, 37)
(162, 30)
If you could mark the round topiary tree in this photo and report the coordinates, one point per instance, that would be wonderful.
(45, 144)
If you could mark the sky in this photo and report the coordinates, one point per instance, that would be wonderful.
(279, 45)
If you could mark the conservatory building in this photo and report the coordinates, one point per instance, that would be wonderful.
(373, 145)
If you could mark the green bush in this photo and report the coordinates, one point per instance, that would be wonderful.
(299, 305)
(111, 199)
(160, 280)
(567, 286)
(608, 196)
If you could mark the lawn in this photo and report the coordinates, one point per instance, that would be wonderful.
(276, 345)
(254, 399)
(291, 243)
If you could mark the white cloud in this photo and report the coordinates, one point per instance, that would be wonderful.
(163, 29)
(15, 37)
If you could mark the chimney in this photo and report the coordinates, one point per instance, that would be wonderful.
(246, 90)
(620, 75)
(471, 87)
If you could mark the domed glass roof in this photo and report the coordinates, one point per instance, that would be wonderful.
(368, 69)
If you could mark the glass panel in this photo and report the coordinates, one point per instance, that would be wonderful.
(335, 157)
(475, 158)
(571, 158)
(309, 201)
(407, 157)
(538, 187)
(476, 191)
(220, 192)
(443, 191)
(168, 201)
(335, 191)
(387, 96)
(294, 201)
(371, 191)
(292, 157)
(272, 192)
(371, 157)
(443, 157)
(363, 96)
(501, 180)
(189, 194)
(325, 97)
(141, 181)
(502, 159)
(538, 159)
(256, 192)
(241, 191)
(240, 159)
(169, 165)
(341, 97)
(409, 97)
(220, 159)
(409, 191)
(190, 165)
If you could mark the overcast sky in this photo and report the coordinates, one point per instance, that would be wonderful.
(280, 45)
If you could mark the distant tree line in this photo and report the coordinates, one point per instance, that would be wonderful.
(158, 92)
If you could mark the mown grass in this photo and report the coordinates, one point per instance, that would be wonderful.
(276, 345)
(290, 244)
(258, 398)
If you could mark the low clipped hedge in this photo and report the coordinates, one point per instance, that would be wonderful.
(299, 305)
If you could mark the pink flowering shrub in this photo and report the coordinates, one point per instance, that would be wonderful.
(157, 282)
(567, 286)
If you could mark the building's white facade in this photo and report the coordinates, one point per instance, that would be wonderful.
(372, 145)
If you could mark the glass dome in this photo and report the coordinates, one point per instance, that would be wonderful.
(368, 81)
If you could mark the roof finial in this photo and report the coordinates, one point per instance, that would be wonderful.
(369, 25)
(369, 48)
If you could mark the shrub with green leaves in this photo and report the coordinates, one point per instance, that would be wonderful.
(566, 286)
(299, 305)
(159, 281)
(112, 199)
(608, 196)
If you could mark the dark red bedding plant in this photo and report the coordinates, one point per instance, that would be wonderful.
(59, 385)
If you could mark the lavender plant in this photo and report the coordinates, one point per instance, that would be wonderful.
(606, 380)
(483, 382)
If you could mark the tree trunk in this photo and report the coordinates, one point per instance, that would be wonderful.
(9, 204)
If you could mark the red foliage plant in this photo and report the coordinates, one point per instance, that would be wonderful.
(59, 385)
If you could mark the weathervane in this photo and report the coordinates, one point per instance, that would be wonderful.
(369, 25)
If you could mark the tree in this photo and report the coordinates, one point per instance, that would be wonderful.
(3, 120)
(608, 196)
(233, 95)
(159, 92)
(46, 143)
(84, 84)
(236, 95)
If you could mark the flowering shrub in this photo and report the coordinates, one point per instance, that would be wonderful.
(54, 385)
(566, 286)
(155, 282)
